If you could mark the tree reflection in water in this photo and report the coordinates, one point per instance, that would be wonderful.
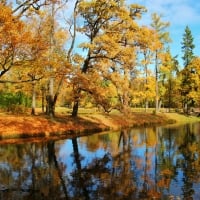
(189, 162)
(147, 163)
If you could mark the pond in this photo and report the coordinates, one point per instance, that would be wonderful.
(142, 163)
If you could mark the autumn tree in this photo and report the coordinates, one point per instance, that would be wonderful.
(96, 16)
(26, 51)
(57, 65)
(147, 47)
(160, 28)
(50, 107)
(34, 69)
(114, 58)
(190, 86)
(20, 51)
(14, 43)
(141, 92)
(168, 72)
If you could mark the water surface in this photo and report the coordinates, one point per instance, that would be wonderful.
(145, 163)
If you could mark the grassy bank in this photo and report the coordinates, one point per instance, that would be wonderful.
(182, 119)
(89, 121)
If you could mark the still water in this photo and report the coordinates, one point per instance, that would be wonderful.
(146, 163)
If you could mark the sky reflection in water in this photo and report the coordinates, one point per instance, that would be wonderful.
(156, 162)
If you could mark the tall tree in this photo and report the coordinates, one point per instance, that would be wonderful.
(107, 57)
(147, 45)
(187, 47)
(96, 16)
(160, 28)
(168, 74)
(188, 55)
(50, 107)
(58, 64)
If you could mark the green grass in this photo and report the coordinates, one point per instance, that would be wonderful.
(180, 118)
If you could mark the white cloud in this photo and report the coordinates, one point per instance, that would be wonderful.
(183, 14)
(176, 11)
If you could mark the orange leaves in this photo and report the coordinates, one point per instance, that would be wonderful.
(14, 40)
(11, 28)
(5, 11)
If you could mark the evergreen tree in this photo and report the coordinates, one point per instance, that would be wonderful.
(186, 83)
(187, 47)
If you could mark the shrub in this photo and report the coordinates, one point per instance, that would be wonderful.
(14, 102)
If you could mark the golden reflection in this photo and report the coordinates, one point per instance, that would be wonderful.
(143, 163)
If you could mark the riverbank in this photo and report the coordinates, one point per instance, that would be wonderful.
(26, 126)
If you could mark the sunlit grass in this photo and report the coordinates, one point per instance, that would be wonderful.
(100, 115)
(65, 110)
(181, 118)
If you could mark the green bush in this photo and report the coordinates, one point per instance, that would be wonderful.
(14, 102)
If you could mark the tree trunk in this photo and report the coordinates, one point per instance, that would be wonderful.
(159, 105)
(157, 90)
(125, 105)
(75, 108)
(50, 107)
(43, 97)
(146, 82)
(170, 95)
(146, 105)
(33, 99)
(186, 108)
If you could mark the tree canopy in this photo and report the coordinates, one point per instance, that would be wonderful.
(96, 53)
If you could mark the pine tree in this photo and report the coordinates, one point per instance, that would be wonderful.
(187, 47)
(186, 84)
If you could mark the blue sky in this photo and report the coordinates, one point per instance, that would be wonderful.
(179, 13)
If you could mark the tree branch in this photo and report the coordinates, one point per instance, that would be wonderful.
(21, 81)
